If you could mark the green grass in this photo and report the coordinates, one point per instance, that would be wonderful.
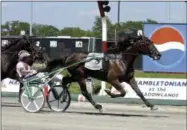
(159, 75)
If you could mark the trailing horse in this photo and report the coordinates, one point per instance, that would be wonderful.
(120, 69)
(9, 56)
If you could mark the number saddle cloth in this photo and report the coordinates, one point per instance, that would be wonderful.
(95, 64)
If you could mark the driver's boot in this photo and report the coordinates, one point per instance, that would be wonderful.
(20, 91)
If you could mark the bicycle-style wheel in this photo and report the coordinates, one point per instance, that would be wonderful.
(36, 103)
(58, 98)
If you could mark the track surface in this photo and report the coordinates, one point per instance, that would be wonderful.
(82, 116)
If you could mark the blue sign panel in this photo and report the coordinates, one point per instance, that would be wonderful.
(170, 40)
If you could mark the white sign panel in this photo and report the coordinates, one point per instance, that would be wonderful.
(78, 44)
(10, 85)
(38, 43)
(4, 42)
(157, 88)
(53, 43)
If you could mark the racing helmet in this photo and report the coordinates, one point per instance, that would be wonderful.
(23, 54)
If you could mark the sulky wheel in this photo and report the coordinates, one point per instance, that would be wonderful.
(58, 98)
(36, 103)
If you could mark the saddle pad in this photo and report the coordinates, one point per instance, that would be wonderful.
(94, 64)
(114, 56)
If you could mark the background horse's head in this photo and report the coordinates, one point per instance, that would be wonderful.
(38, 52)
(145, 46)
(9, 55)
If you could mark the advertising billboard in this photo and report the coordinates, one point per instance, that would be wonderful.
(170, 40)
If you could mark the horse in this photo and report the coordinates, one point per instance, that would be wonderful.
(9, 56)
(120, 69)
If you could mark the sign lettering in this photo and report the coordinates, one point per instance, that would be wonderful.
(155, 88)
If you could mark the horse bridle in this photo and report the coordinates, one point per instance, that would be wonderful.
(33, 49)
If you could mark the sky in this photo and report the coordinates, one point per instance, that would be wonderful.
(82, 14)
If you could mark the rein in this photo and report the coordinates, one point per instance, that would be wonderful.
(123, 53)
(128, 53)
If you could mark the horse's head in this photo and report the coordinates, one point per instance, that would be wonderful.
(38, 52)
(145, 46)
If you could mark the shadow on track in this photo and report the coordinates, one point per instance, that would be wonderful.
(117, 114)
(95, 113)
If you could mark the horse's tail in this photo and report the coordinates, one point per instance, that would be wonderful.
(59, 62)
(55, 62)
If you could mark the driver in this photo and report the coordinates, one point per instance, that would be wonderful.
(23, 68)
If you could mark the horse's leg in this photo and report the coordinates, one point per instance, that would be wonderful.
(67, 80)
(135, 87)
(113, 79)
(87, 95)
(118, 86)
(79, 77)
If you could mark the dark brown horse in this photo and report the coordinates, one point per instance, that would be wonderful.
(120, 69)
(9, 55)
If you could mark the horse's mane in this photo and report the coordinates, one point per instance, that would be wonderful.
(12, 43)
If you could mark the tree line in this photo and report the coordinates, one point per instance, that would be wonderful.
(14, 28)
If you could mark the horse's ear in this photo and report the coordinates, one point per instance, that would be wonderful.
(140, 33)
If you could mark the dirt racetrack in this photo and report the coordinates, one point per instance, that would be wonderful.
(82, 116)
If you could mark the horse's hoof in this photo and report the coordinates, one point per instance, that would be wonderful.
(98, 106)
(153, 108)
(101, 111)
(109, 93)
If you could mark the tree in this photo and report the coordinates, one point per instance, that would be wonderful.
(4, 29)
(136, 25)
(14, 27)
(97, 28)
(151, 21)
(72, 31)
(89, 33)
(45, 30)
(133, 25)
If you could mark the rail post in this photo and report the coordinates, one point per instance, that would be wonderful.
(103, 9)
